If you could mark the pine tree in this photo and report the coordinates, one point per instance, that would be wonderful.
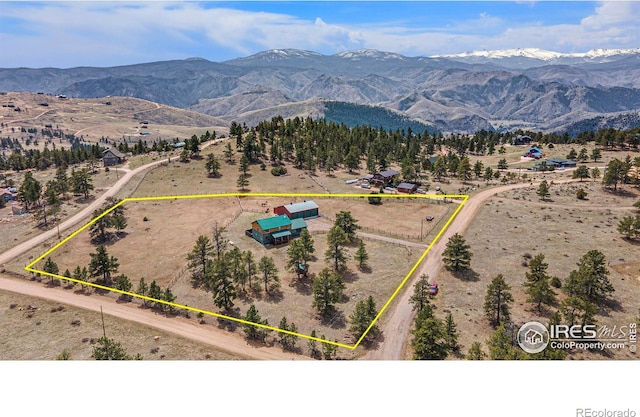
(269, 274)
(335, 253)
(537, 285)
(475, 352)
(347, 223)
(252, 331)
(328, 350)
(497, 300)
(464, 169)
(313, 345)
(221, 284)
(501, 346)
(103, 265)
(421, 294)
(456, 255)
(361, 256)
(287, 340)
(543, 190)
(327, 290)
(451, 334)
(212, 166)
(364, 313)
(202, 251)
(429, 338)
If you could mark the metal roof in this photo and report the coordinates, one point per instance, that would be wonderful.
(278, 235)
(407, 185)
(298, 224)
(389, 173)
(114, 151)
(273, 222)
(302, 206)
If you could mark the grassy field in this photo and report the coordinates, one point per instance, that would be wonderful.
(23, 227)
(517, 224)
(156, 249)
(36, 329)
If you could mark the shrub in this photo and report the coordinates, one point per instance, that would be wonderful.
(277, 171)
(556, 283)
(581, 194)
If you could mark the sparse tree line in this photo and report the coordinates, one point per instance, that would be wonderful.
(228, 274)
(586, 291)
(45, 201)
(103, 270)
(20, 159)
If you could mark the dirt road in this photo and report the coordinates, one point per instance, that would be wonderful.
(75, 219)
(180, 326)
(397, 325)
(81, 215)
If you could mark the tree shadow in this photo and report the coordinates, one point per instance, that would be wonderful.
(468, 275)
(275, 295)
(303, 285)
(372, 342)
(229, 325)
(611, 304)
(348, 276)
(335, 320)
(620, 192)
(366, 269)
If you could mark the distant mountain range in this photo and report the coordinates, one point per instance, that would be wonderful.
(519, 88)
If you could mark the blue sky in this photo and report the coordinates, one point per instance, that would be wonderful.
(106, 33)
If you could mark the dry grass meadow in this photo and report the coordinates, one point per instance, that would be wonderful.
(156, 249)
(517, 224)
(36, 329)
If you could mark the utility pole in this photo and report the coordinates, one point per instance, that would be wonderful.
(104, 331)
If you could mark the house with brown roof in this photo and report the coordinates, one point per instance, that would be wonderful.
(112, 156)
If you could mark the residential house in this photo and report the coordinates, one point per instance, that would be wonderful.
(385, 177)
(112, 156)
(408, 188)
(554, 163)
(277, 229)
(534, 152)
(521, 140)
(7, 195)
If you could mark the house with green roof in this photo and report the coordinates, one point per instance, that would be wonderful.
(277, 229)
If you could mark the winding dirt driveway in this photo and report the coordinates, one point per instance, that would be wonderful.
(177, 325)
(397, 325)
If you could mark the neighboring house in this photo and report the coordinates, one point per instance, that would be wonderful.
(385, 177)
(431, 161)
(300, 210)
(555, 163)
(534, 152)
(112, 156)
(521, 140)
(405, 187)
(277, 229)
(7, 195)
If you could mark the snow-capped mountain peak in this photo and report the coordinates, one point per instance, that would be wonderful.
(540, 54)
(369, 53)
(279, 54)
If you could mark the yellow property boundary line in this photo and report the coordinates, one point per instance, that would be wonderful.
(462, 197)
